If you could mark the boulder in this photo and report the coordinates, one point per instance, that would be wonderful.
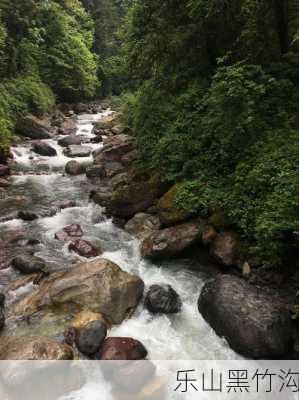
(36, 348)
(115, 147)
(162, 299)
(95, 171)
(27, 216)
(208, 235)
(129, 193)
(225, 249)
(4, 170)
(170, 242)
(118, 129)
(107, 122)
(68, 127)
(27, 264)
(122, 348)
(90, 338)
(43, 149)
(34, 128)
(168, 212)
(75, 168)
(96, 139)
(255, 323)
(71, 140)
(82, 319)
(99, 286)
(73, 151)
(143, 225)
(84, 248)
(70, 232)
(4, 183)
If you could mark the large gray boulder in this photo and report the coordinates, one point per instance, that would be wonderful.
(256, 324)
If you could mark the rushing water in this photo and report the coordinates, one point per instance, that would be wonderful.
(41, 180)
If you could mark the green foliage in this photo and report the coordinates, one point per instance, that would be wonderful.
(217, 110)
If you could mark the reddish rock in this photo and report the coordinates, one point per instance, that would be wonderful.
(70, 232)
(122, 348)
(84, 248)
(225, 249)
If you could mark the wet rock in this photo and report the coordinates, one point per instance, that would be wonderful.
(68, 127)
(168, 212)
(67, 204)
(90, 338)
(4, 183)
(4, 170)
(29, 264)
(34, 128)
(170, 242)
(44, 149)
(84, 248)
(122, 348)
(208, 235)
(71, 140)
(162, 299)
(115, 147)
(225, 249)
(113, 168)
(77, 151)
(82, 319)
(118, 129)
(27, 216)
(95, 171)
(256, 324)
(99, 286)
(107, 122)
(70, 232)
(143, 225)
(38, 348)
(129, 158)
(96, 139)
(133, 376)
(75, 168)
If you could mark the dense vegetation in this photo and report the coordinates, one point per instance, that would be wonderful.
(215, 106)
(51, 50)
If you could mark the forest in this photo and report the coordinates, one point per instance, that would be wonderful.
(209, 88)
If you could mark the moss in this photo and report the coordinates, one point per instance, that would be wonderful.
(169, 212)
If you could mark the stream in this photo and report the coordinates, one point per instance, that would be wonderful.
(39, 185)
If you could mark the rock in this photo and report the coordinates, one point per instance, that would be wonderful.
(82, 319)
(96, 139)
(168, 212)
(115, 147)
(162, 299)
(129, 158)
(71, 140)
(122, 348)
(84, 248)
(255, 323)
(27, 216)
(90, 338)
(4, 170)
(113, 168)
(246, 270)
(95, 171)
(29, 264)
(225, 249)
(70, 232)
(118, 129)
(34, 128)
(4, 183)
(68, 127)
(99, 286)
(2, 314)
(77, 151)
(155, 389)
(133, 376)
(142, 225)
(43, 149)
(67, 204)
(208, 235)
(129, 193)
(82, 108)
(75, 168)
(106, 122)
(170, 242)
(38, 348)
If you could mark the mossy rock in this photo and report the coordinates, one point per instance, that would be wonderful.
(168, 211)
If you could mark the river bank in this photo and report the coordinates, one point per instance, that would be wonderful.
(74, 195)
